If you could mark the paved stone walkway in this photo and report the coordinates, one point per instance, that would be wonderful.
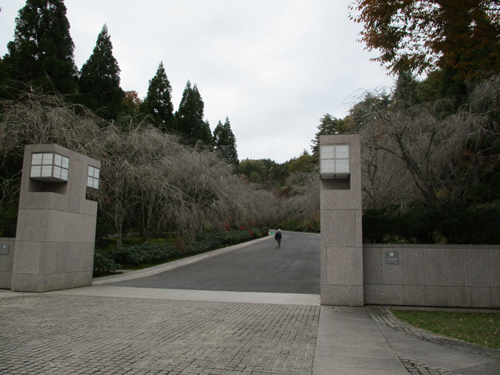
(61, 334)
(110, 330)
(122, 330)
(415, 368)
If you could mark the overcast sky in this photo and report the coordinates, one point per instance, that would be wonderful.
(274, 67)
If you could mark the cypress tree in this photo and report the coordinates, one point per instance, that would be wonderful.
(189, 116)
(184, 114)
(225, 142)
(158, 103)
(327, 126)
(41, 53)
(99, 82)
(206, 134)
(405, 93)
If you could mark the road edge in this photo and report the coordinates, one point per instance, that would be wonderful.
(172, 265)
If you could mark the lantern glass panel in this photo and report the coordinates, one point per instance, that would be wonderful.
(342, 166)
(342, 152)
(36, 171)
(48, 159)
(36, 159)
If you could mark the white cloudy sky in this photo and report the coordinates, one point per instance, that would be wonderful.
(275, 67)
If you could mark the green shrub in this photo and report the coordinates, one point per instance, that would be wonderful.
(258, 232)
(180, 245)
(476, 225)
(238, 236)
(104, 264)
(102, 230)
(145, 253)
(426, 224)
(135, 255)
(380, 224)
(8, 222)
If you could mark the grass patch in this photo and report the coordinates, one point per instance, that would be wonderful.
(477, 328)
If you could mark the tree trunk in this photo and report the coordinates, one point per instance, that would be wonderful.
(119, 242)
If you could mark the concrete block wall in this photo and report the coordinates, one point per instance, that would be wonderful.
(433, 275)
(6, 262)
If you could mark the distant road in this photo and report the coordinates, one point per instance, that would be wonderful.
(259, 267)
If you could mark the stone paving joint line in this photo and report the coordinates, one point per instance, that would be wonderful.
(56, 334)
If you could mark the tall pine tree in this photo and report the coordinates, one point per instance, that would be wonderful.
(405, 93)
(225, 142)
(189, 116)
(206, 134)
(328, 125)
(42, 51)
(99, 82)
(158, 103)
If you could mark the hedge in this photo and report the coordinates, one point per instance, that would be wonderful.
(104, 264)
(425, 224)
(135, 255)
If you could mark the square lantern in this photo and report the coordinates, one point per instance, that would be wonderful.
(48, 166)
(334, 161)
(93, 177)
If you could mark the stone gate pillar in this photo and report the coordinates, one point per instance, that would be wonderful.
(56, 223)
(341, 210)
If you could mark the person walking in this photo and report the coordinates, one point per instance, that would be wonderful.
(277, 238)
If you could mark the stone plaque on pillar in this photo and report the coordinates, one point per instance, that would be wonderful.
(341, 210)
(56, 223)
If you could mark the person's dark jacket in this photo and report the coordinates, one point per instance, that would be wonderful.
(277, 235)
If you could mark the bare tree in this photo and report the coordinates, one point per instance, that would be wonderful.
(385, 179)
(417, 142)
(148, 179)
(302, 201)
(36, 118)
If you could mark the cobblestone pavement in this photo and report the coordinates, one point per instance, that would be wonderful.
(384, 315)
(51, 334)
(415, 368)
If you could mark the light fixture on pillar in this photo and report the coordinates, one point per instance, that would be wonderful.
(48, 166)
(334, 161)
(93, 177)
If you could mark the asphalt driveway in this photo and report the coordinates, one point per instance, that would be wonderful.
(259, 267)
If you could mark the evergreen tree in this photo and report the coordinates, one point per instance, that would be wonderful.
(303, 164)
(158, 103)
(428, 90)
(189, 116)
(328, 125)
(453, 87)
(444, 83)
(371, 102)
(99, 82)
(225, 142)
(405, 93)
(219, 137)
(42, 51)
(207, 137)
